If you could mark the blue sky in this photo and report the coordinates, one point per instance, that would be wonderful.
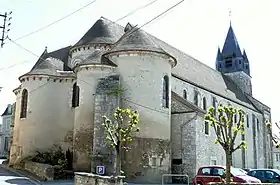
(196, 27)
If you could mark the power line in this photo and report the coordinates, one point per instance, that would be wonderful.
(108, 24)
(42, 28)
(136, 10)
(148, 22)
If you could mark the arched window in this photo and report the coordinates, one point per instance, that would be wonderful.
(248, 123)
(24, 100)
(196, 97)
(75, 95)
(185, 95)
(206, 127)
(204, 105)
(214, 104)
(165, 92)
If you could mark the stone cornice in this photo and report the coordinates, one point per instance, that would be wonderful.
(53, 78)
(128, 52)
(93, 66)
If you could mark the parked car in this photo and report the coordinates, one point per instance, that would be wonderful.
(216, 173)
(242, 170)
(246, 169)
(266, 175)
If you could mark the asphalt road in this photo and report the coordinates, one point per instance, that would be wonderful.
(7, 177)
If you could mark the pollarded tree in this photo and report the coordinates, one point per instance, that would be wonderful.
(120, 131)
(227, 124)
(274, 137)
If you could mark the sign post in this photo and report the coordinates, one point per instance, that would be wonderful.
(100, 170)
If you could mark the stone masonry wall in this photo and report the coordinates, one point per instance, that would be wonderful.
(147, 161)
(44, 171)
(183, 139)
(106, 102)
(207, 141)
(93, 179)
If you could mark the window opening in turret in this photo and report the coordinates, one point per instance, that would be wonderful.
(185, 94)
(76, 95)
(24, 99)
(165, 92)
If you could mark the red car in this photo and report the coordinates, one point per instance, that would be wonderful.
(214, 173)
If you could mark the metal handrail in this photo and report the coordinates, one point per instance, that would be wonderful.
(174, 175)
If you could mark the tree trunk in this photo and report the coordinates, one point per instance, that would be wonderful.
(118, 164)
(228, 165)
(118, 161)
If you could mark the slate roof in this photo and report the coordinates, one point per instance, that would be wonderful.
(193, 72)
(103, 31)
(48, 65)
(204, 76)
(231, 44)
(219, 55)
(96, 58)
(136, 39)
(6, 112)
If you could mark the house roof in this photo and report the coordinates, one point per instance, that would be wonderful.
(7, 111)
(103, 31)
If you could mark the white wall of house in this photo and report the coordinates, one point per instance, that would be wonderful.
(5, 132)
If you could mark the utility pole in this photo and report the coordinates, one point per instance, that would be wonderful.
(7, 18)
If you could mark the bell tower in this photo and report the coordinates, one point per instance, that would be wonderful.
(234, 63)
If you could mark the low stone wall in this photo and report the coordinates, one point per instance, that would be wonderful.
(82, 178)
(44, 171)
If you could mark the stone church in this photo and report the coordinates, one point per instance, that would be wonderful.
(62, 98)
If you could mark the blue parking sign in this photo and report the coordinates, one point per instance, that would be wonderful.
(100, 170)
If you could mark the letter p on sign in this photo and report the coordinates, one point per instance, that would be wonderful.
(100, 170)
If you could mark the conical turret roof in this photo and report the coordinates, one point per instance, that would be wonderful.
(103, 31)
(136, 39)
